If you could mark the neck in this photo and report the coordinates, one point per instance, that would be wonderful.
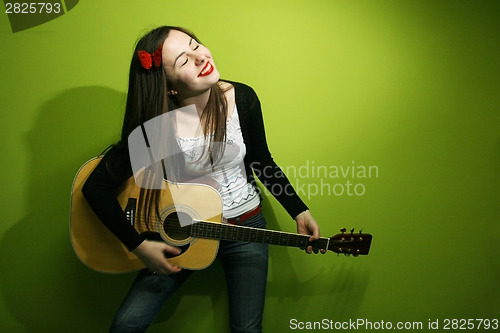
(199, 100)
(222, 231)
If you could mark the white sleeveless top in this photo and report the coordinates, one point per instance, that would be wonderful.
(238, 196)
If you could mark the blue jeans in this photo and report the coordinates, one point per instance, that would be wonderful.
(245, 267)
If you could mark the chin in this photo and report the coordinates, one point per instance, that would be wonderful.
(209, 82)
(205, 83)
(216, 76)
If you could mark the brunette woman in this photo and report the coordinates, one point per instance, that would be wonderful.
(171, 69)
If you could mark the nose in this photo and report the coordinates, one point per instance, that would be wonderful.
(199, 58)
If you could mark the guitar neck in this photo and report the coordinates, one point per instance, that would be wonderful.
(222, 231)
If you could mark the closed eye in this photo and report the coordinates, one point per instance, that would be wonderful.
(195, 48)
(185, 62)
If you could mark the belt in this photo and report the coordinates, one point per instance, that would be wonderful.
(245, 216)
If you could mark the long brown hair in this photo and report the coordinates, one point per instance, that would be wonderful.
(148, 98)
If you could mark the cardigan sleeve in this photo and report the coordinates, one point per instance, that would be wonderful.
(100, 192)
(259, 158)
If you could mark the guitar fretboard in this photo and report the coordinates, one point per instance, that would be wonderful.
(221, 231)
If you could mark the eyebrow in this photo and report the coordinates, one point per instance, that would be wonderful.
(180, 55)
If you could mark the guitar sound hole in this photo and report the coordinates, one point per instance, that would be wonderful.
(172, 225)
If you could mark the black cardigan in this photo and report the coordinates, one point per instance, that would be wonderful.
(100, 188)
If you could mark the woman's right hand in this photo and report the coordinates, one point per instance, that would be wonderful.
(154, 255)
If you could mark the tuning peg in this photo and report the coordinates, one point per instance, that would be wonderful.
(352, 231)
(360, 231)
(343, 230)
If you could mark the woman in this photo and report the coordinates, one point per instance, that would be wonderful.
(170, 69)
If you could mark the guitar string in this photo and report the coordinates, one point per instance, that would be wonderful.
(245, 233)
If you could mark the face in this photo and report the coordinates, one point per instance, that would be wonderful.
(189, 65)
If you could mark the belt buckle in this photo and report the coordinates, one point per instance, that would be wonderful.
(233, 220)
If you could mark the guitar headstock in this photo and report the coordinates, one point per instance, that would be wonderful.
(350, 243)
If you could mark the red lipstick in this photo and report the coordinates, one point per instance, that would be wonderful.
(207, 69)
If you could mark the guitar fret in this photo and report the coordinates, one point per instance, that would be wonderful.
(220, 231)
(232, 233)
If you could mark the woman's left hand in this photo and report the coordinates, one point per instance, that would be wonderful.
(306, 225)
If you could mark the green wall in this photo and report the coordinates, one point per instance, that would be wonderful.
(408, 88)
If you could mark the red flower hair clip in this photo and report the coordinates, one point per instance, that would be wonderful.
(147, 59)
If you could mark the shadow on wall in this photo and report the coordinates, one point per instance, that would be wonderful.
(45, 287)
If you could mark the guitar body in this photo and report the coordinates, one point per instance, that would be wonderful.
(100, 250)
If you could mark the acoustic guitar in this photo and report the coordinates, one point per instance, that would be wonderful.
(198, 238)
